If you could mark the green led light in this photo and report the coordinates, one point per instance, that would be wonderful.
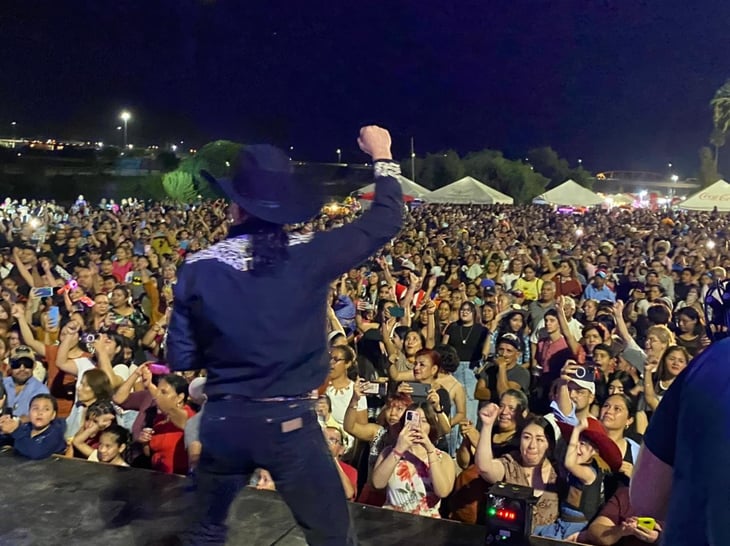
(492, 511)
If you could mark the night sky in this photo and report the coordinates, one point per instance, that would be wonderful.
(621, 84)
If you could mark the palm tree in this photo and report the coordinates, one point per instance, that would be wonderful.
(717, 139)
(720, 104)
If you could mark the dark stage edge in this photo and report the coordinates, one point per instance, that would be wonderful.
(68, 502)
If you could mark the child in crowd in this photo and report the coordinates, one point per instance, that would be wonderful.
(99, 417)
(42, 435)
(584, 461)
(113, 442)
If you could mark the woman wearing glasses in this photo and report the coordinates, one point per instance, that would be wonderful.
(340, 389)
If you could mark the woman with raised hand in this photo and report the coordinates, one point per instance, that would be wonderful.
(415, 475)
(530, 466)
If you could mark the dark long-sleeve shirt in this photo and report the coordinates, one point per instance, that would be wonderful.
(263, 335)
(43, 445)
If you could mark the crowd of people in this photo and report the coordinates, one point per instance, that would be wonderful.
(483, 344)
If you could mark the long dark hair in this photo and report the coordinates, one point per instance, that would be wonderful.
(545, 425)
(624, 378)
(122, 437)
(504, 323)
(692, 314)
(431, 418)
(269, 243)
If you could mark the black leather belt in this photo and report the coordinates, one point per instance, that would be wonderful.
(297, 398)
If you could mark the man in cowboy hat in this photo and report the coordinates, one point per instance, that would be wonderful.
(251, 310)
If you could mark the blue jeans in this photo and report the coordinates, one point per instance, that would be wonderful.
(561, 528)
(465, 375)
(284, 438)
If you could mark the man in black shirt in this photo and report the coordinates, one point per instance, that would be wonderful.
(251, 310)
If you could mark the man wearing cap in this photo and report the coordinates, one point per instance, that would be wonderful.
(598, 290)
(576, 393)
(504, 374)
(240, 313)
(21, 386)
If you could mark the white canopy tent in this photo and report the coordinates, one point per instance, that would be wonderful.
(716, 195)
(570, 193)
(469, 191)
(410, 189)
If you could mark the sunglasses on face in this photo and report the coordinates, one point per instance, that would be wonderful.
(17, 364)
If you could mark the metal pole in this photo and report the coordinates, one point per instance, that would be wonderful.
(125, 133)
(413, 161)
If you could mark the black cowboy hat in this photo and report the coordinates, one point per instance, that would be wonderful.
(264, 184)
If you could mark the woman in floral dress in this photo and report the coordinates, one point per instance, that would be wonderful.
(414, 474)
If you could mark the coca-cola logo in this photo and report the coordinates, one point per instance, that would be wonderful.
(711, 197)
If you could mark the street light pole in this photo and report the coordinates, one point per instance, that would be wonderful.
(125, 118)
(13, 124)
(339, 155)
(413, 160)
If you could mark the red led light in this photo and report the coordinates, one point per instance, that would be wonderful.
(508, 515)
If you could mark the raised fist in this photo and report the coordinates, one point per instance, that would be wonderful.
(375, 141)
(488, 414)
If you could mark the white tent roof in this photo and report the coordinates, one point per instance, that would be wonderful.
(570, 193)
(716, 195)
(409, 188)
(469, 191)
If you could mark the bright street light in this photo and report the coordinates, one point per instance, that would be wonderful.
(675, 178)
(339, 155)
(125, 117)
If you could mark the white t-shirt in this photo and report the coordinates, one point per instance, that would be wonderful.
(509, 279)
(340, 399)
(73, 421)
(83, 365)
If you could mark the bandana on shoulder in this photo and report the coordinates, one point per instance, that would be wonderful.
(236, 252)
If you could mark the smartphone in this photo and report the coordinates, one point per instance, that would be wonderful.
(420, 390)
(54, 316)
(646, 523)
(413, 417)
(158, 369)
(586, 372)
(397, 312)
(43, 292)
(375, 388)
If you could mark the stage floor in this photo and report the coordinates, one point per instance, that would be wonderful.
(72, 502)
